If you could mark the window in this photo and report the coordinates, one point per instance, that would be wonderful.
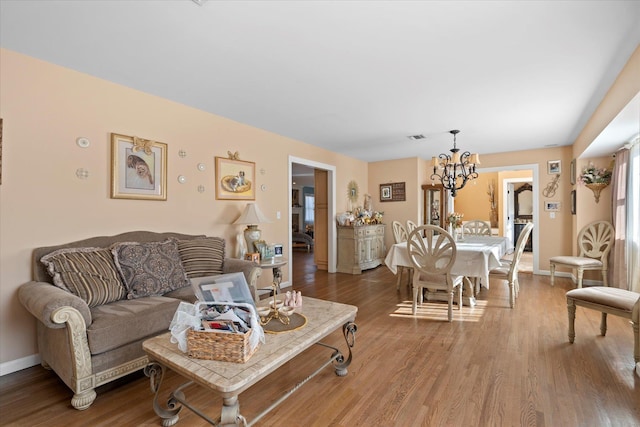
(309, 207)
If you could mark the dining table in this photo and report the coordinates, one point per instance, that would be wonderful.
(476, 256)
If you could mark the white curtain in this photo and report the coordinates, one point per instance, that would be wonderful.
(625, 256)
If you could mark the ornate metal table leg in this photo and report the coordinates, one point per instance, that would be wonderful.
(169, 416)
(349, 330)
(230, 415)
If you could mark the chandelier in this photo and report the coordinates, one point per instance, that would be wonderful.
(455, 169)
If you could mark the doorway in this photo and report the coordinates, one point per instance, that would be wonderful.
(508, 208)
(325, 237)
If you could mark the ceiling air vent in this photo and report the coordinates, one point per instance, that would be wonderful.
(416, 137)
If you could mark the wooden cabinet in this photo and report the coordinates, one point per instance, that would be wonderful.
(360, 248)
(517, 229)
(434, 204)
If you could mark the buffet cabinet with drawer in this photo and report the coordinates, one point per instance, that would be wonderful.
(360, 248)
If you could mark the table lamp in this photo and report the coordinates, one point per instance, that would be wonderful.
(251, 216)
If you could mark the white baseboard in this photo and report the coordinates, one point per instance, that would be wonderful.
(573, 278)
(19, 364)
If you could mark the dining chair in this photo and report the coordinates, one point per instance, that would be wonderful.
(399, 236)
(476, 227)
(432, 258)
(411, 226)
(594, 243)
(509, 270)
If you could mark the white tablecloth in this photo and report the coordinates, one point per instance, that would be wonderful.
(476, 256)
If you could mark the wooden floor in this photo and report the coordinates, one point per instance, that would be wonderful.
(492, 366)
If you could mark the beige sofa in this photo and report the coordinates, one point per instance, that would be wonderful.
(91, 322)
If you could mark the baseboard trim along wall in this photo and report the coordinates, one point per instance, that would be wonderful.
(12, 366)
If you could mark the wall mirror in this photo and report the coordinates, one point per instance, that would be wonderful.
(523, 202)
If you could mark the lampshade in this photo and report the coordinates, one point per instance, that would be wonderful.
(251, 215)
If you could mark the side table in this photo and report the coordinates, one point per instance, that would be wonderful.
(275, 264)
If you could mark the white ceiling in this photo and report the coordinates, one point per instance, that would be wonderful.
(355, 77)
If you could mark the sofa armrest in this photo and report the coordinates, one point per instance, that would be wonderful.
(44, 300)
(250, 269)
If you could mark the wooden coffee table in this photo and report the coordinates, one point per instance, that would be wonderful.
(229, 379)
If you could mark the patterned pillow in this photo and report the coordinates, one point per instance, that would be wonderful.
(88, 273)
(202, 257)
(149, 269)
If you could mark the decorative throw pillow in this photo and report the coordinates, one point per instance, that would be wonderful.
(149, 269)
(202, 257)
(88, 273)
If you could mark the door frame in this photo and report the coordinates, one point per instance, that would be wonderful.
(535, 180)
(331, 208)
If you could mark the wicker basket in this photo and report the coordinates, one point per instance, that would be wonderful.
(222, 346)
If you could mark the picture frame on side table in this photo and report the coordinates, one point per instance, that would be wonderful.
(277, 250)
(554, 167)
(235, 179)
(138, 168)
(252, 256)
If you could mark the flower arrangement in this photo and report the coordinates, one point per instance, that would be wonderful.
(454, 219)
(593, 175)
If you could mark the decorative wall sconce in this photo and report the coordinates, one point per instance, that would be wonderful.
(596, 187)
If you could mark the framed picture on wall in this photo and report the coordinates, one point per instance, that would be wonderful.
(393, 192)
(573, 202)
(235, 179)
(572, 172)
(551, 205)
(553, 167)
(138, 168)
(385, 192)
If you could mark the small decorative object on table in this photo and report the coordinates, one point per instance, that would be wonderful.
(595, 179)
(252, 256)
(454, 221)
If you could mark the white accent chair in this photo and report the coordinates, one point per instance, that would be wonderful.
(594, 243)
(432, 258)
(400, 235)
(509, 270)
(411, 226)
(476, 227)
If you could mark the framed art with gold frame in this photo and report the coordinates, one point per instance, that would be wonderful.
(138, 168)
(235, 179)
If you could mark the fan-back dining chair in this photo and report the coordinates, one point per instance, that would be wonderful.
(399, 236)
(594, 243)
(411, 226)
(432, 258)
(509, 271)
(476, 227)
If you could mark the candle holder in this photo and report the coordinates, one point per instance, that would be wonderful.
(277, 309)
